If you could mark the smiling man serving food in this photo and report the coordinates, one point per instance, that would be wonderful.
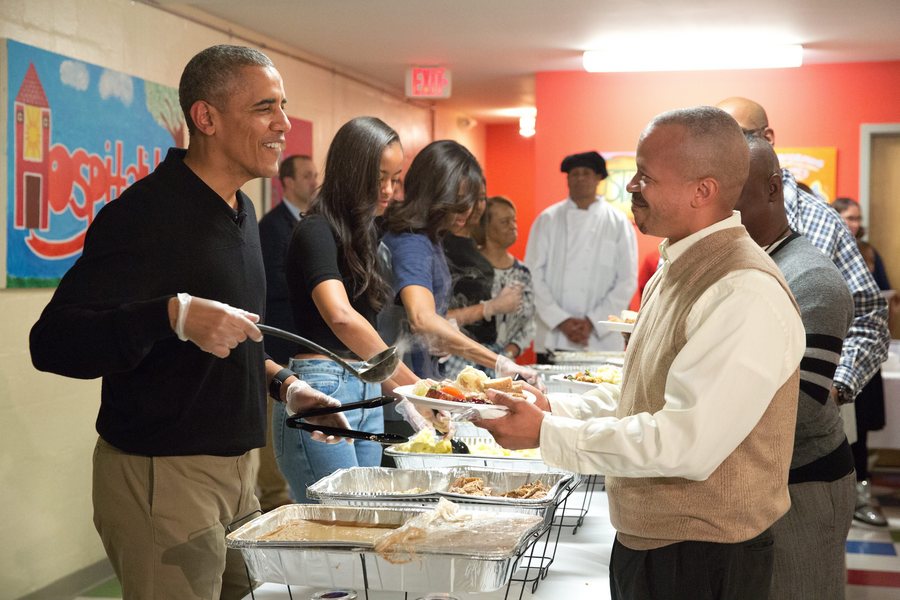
(696, 444)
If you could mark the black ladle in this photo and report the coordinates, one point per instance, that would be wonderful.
(375, 370)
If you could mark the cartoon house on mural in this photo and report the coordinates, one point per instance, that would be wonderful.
(32, 153)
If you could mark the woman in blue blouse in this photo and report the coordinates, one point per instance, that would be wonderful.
(442, 185)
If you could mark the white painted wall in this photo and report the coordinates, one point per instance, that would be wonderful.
(47, 422)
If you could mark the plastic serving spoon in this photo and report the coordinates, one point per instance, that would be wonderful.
(375, 370)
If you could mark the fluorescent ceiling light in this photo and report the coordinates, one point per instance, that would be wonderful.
(677, 56)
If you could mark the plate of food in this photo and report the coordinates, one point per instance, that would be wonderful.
(588, 379)
(623, 323)
(468, 390)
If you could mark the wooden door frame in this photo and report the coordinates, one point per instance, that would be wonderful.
(867, 131)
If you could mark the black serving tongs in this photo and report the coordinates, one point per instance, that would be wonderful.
(296, 421)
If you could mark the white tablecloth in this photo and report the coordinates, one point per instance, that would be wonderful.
(889, 437)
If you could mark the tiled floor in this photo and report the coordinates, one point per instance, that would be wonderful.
(873, 554)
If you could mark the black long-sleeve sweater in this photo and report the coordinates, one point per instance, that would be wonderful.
(167, 233)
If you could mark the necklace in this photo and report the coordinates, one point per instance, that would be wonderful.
(784, 233)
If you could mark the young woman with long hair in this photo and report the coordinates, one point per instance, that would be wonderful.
(336, 292)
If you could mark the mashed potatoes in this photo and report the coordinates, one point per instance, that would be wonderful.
(425, 442)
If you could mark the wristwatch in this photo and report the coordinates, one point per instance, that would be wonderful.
(278, 381)
(843, 395)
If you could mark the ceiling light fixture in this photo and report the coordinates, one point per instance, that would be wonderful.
(676, 56)
(527, 122)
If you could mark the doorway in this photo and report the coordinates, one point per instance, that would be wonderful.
(880, 198)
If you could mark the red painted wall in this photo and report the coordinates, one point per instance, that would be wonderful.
(816, 105)
(509, 169)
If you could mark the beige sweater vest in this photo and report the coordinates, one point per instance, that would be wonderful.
(748, 491)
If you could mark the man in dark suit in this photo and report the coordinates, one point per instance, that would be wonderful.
(298, 180)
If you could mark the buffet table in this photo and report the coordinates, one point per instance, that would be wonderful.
(579, 569)
(568, 561)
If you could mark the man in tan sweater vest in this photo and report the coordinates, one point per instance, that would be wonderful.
(696, 445)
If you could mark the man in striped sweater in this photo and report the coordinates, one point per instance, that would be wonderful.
(809, 539)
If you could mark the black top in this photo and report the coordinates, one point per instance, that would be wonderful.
(314, 257)
(473, 280)
(275, 230)
(167, 233)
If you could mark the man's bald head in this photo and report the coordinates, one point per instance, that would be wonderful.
(762, 202)
(712, 145)
(750, 115)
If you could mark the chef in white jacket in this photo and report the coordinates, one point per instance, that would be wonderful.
(583, 258)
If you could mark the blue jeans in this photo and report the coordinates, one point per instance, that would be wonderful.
(302, 460)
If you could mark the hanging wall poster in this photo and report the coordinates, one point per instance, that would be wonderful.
(621, 168)
(816, 167)
(77, 135)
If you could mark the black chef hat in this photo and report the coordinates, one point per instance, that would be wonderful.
(592, 160)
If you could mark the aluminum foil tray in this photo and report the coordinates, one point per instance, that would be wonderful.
(565, 369)
(378, 486)
(427, 460)
(587, 357)
(330, 566)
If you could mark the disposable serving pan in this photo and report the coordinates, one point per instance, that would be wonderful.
(379, 486)
(331, 566)
(427, 460)
(587, 357)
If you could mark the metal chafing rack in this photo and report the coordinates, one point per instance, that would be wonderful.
(460, 568)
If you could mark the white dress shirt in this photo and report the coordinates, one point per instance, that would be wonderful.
(744, 339)
(583, 264)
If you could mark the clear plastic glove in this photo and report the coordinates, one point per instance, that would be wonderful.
(506, 367)
(301, 396)
(214, 327)
(425, 418)
(507, 301)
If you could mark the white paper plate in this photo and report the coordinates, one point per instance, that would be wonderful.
(618, 326)
(580, 386)
(487, 411)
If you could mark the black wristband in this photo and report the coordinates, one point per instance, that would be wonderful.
(278, 381)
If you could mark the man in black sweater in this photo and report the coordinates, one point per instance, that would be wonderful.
(161, 305)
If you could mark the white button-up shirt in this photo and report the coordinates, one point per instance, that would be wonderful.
(744, 339)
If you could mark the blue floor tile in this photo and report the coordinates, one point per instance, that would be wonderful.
(880, 548)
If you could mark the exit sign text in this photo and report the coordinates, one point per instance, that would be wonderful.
(427, 82)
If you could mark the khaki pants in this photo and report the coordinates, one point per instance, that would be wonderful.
(273, 489)
(162, 521)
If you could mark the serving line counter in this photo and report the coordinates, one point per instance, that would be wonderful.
(580, 568)
(575, 536)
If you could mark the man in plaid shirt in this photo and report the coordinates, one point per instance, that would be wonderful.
(866, 344)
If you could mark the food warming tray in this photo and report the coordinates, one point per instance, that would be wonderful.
(429, 460)
(379, 486)
(333, 566)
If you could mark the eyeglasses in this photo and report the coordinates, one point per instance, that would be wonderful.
(758, 132)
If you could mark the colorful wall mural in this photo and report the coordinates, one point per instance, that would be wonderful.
(77, 136)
